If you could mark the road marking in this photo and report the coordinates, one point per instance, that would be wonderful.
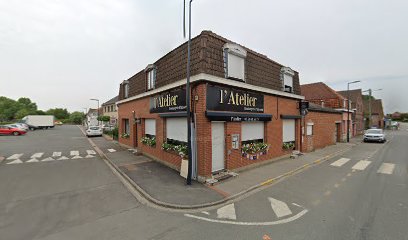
(62, 158)
(361, 165)
(280, 208)
(37, 155)
(89, 156)
(32, 160)
(56, 154)
(282, 221)
(76, 157)
(74, 153)
(15, 156)
(206, 213)
(227, 212)
(90, 152)
(15, 162)
(340, 162)
(111, 150)
(48, 159)
(386, 168)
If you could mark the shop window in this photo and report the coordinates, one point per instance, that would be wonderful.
(288, 130)
(309, 129)
(252, 132)
(287, 79)
(234, 61)
(176, 131)
(126, 126)
(150, 128)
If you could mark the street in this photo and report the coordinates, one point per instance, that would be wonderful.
(55, 186)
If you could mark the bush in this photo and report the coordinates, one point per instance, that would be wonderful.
(149, 141)
(179, 149)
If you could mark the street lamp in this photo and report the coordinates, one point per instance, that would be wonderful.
(370, 91)
(97, 110)
(348, 108)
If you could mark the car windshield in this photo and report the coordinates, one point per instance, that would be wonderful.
(374, 131)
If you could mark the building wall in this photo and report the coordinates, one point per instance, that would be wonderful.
(112, 114)
(324, 130)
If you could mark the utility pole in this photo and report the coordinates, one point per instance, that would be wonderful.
(348, 109)
(370, 95)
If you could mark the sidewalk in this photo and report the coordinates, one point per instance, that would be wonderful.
(164, 186)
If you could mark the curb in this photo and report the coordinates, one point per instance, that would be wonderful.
(144, 197)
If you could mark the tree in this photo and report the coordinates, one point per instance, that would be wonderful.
(104, 118)
(11, 109)
(21, 113)
(77, 117)
(59, 113)
(40, 112)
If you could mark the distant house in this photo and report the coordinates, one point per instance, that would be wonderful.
(321, 94)
(109, 109)
(377, 112)
(92, 117)
(356, 98)
(396, 115)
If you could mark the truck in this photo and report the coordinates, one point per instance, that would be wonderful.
(39, 121)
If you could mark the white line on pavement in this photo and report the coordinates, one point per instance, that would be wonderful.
(386, 168)
(227, 212)
(361, 165)
(56, 154)
(48, 159)
(280, 208)
(89, 156)
(37, 155)
(74, 153)
(76, 157)
(32, 160)
(62, 158)
(15, 162)
(111, 150)
(15, 156)
(90, 152)
(340, 162)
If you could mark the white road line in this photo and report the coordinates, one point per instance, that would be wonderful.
(89, 156)
(62, 158)
(90, 152)
(56, 154)
(205, 212)
(37, 155)
(111, 150)
(361, 165)
(386, 168)
(15, 162)
(280, 208)
(282, 221)
(15, 156)
(227, 212)
(340, 162)
(74, 153)
(48, 159)
(32, 160)
(76, 157)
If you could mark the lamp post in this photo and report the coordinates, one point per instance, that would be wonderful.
(348, 109)
(190, 159)
(97, 110)
(370, 92)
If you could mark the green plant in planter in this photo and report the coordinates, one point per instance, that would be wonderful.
(125, 135)
(288, 145)
(254, 148)
(167, 146)
(179, 149)
(149, 141)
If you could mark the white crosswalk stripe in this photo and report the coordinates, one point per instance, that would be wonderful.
(32, 160)
(280, 208)
(340, 162)
(76, 157)
(62, 158)
(386, 168)
(48, 159)
(227, 212)
(89, 156)
(111, 150)
(15, 162)
(56, 154)
(15, 156)
(74, 153)
(361, 165)
(37, 155)
(90, 152)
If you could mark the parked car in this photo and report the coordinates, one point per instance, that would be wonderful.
(23, 125)
(15, 125)
(374, 135)
(107, 127)
(5, 130)
(93, 131)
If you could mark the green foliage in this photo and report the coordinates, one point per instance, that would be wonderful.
(149, 141)
(11, 109)
(179, 149)
(104, 118)
(288, 145)
(59, 113)
(76, 117)
(125, 135)
(254, 148)
(40, 112)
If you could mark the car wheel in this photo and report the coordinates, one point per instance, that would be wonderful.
(16, 133)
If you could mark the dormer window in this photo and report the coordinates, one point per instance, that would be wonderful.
(126, 89)
(151, 76)
(287, 79)
(234, 61)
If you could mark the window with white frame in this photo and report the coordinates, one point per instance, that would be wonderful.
(309, 129)
(150, 128)
(252, 132)
(234, 61)
(287, 79)
(176, 130)
(288, 130)
(151, 78)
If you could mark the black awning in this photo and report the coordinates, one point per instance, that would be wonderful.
(173, 114)
(237, 117)
(290, 116)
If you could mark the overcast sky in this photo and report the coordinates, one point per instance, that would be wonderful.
(60, 53)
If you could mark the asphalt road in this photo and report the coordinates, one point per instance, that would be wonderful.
(80, 198)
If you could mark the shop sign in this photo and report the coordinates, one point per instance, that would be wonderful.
(172, 101)
(233, 100)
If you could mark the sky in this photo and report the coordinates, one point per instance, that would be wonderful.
(61, 53)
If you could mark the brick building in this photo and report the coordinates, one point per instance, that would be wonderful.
(241, 100)
(321, 127)
(321, 94)
(377, 112)
(356, 100)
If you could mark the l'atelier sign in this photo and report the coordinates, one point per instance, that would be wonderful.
(173, 101)
(229, 99)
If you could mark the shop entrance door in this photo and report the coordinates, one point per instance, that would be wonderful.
(218, 146)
